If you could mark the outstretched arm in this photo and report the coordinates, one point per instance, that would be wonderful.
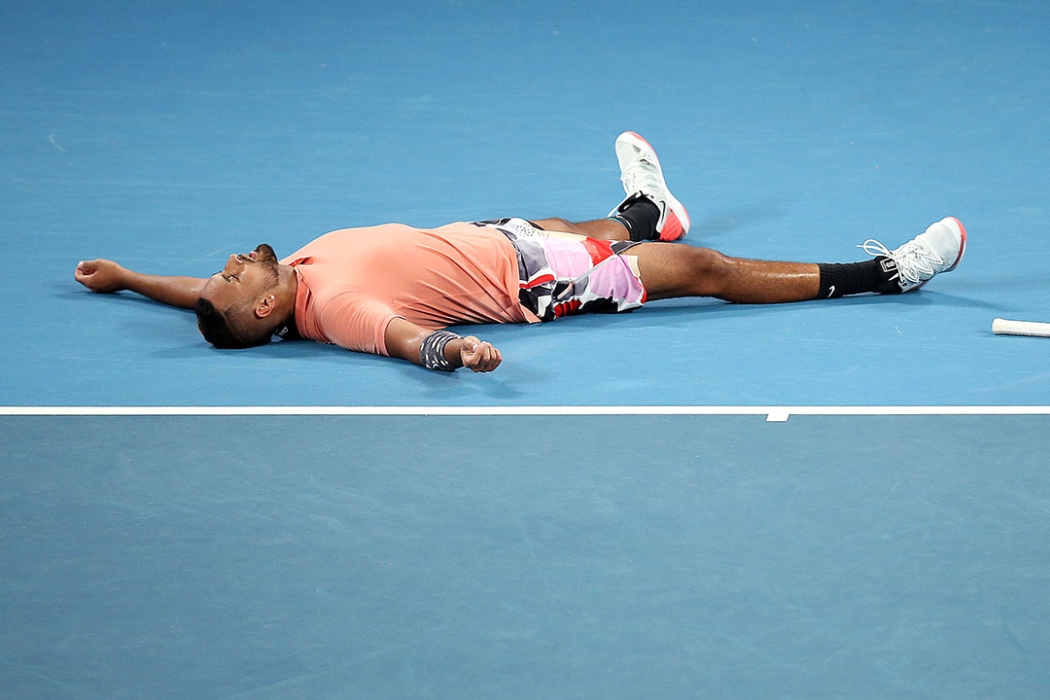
(105, 276)
(404, 339)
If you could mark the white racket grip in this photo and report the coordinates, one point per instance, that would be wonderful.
(1002, 326)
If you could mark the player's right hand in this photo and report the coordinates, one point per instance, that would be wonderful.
(478, 355)
(101, 276)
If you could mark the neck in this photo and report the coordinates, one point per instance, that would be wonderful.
(287, 286)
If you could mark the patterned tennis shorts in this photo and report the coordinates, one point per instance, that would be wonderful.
(564, 274)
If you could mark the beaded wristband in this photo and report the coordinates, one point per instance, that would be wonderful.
(432, 351)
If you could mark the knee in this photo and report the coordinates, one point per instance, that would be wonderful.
(675, 270)
(710, 262)
(711, 270)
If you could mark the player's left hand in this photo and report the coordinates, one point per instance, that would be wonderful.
(103, 276)
(479, 355)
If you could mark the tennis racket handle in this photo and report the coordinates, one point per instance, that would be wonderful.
(1001, 326)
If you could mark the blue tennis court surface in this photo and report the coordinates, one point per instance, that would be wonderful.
(439, 557)
(168, 135)
(556, 555)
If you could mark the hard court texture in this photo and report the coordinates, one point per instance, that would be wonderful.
(367, 557)
(166, 135)
(571, 554)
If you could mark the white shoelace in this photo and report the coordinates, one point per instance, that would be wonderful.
(642, 180)
(913, 259)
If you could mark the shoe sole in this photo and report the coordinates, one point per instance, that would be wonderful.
(962, 234)
(676, 224)
(949, 221)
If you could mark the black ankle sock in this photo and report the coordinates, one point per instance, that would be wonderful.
(837, 280)
(889, 276)
(640, 217)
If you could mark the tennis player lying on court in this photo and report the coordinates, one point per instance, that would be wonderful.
(392, 289)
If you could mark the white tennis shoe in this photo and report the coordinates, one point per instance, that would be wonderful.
(937, 249)
(642, 176)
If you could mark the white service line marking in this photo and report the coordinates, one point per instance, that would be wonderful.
(772, 413)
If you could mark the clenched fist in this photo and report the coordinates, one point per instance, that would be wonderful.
(101, 276)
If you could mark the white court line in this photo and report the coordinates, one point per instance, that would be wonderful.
(777, 414)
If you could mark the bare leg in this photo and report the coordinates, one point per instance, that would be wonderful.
(604, 229)
(670, 270)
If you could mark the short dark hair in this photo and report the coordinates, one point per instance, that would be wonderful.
(215, 326)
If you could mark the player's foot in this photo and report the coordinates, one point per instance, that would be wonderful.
(642, 177)
(937, 249)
